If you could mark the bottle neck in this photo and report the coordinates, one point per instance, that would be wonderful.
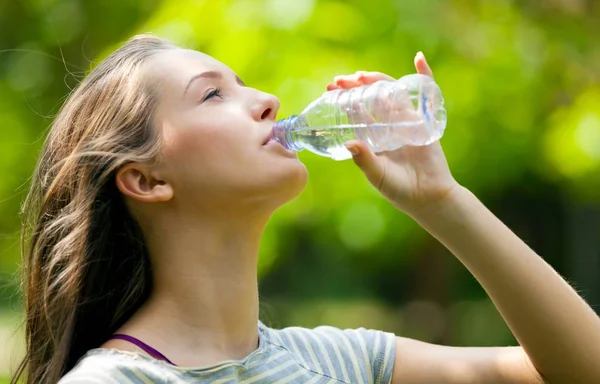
(284, 132)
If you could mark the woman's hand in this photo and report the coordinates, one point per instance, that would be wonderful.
(411, 177)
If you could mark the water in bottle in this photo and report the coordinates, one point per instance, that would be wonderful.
(386, 115)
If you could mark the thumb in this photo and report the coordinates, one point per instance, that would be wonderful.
(366, 160)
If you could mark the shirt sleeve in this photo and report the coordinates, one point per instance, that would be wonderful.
(368, 355)
(89, 374)
(111, 367)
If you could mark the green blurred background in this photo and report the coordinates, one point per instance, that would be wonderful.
(522, 85)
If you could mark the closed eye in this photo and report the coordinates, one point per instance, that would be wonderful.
(212, 93)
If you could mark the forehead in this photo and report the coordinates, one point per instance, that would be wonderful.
(175, 67)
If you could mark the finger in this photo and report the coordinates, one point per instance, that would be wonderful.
(421, 65)
(366, 160)
(361, 78)
(331, 87)
(347, 81)
(365, 77)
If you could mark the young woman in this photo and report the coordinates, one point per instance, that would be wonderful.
(145, 216)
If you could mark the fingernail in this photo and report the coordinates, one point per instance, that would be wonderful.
(353, 150)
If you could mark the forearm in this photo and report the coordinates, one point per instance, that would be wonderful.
(558, 330)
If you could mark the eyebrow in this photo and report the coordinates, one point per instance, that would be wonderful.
(211, 75)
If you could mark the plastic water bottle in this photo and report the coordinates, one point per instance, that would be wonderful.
(386, 114)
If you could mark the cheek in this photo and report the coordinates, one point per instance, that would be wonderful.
(218, 156)
(201, 155)
(210, 135)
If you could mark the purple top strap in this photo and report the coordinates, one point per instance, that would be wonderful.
(148, 349)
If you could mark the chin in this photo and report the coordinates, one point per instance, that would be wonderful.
(299, 181)
(287, 183)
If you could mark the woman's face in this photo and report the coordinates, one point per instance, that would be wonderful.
(215, 131)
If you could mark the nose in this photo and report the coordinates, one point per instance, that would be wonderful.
(266, 107)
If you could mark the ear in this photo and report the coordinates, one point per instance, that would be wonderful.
(137, 182)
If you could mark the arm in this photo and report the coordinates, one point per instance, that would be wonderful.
(558, 332)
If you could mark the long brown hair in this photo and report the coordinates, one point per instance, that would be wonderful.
(85, 265)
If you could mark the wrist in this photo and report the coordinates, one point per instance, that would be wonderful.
(450, 206)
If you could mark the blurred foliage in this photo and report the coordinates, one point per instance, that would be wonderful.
(522, 85)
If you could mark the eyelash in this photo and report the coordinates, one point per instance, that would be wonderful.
(214, 93)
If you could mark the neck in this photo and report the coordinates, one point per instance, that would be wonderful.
(205, 293)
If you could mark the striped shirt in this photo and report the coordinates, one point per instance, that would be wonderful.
(323, 355)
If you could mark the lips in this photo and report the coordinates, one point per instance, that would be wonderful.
(269, 137)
